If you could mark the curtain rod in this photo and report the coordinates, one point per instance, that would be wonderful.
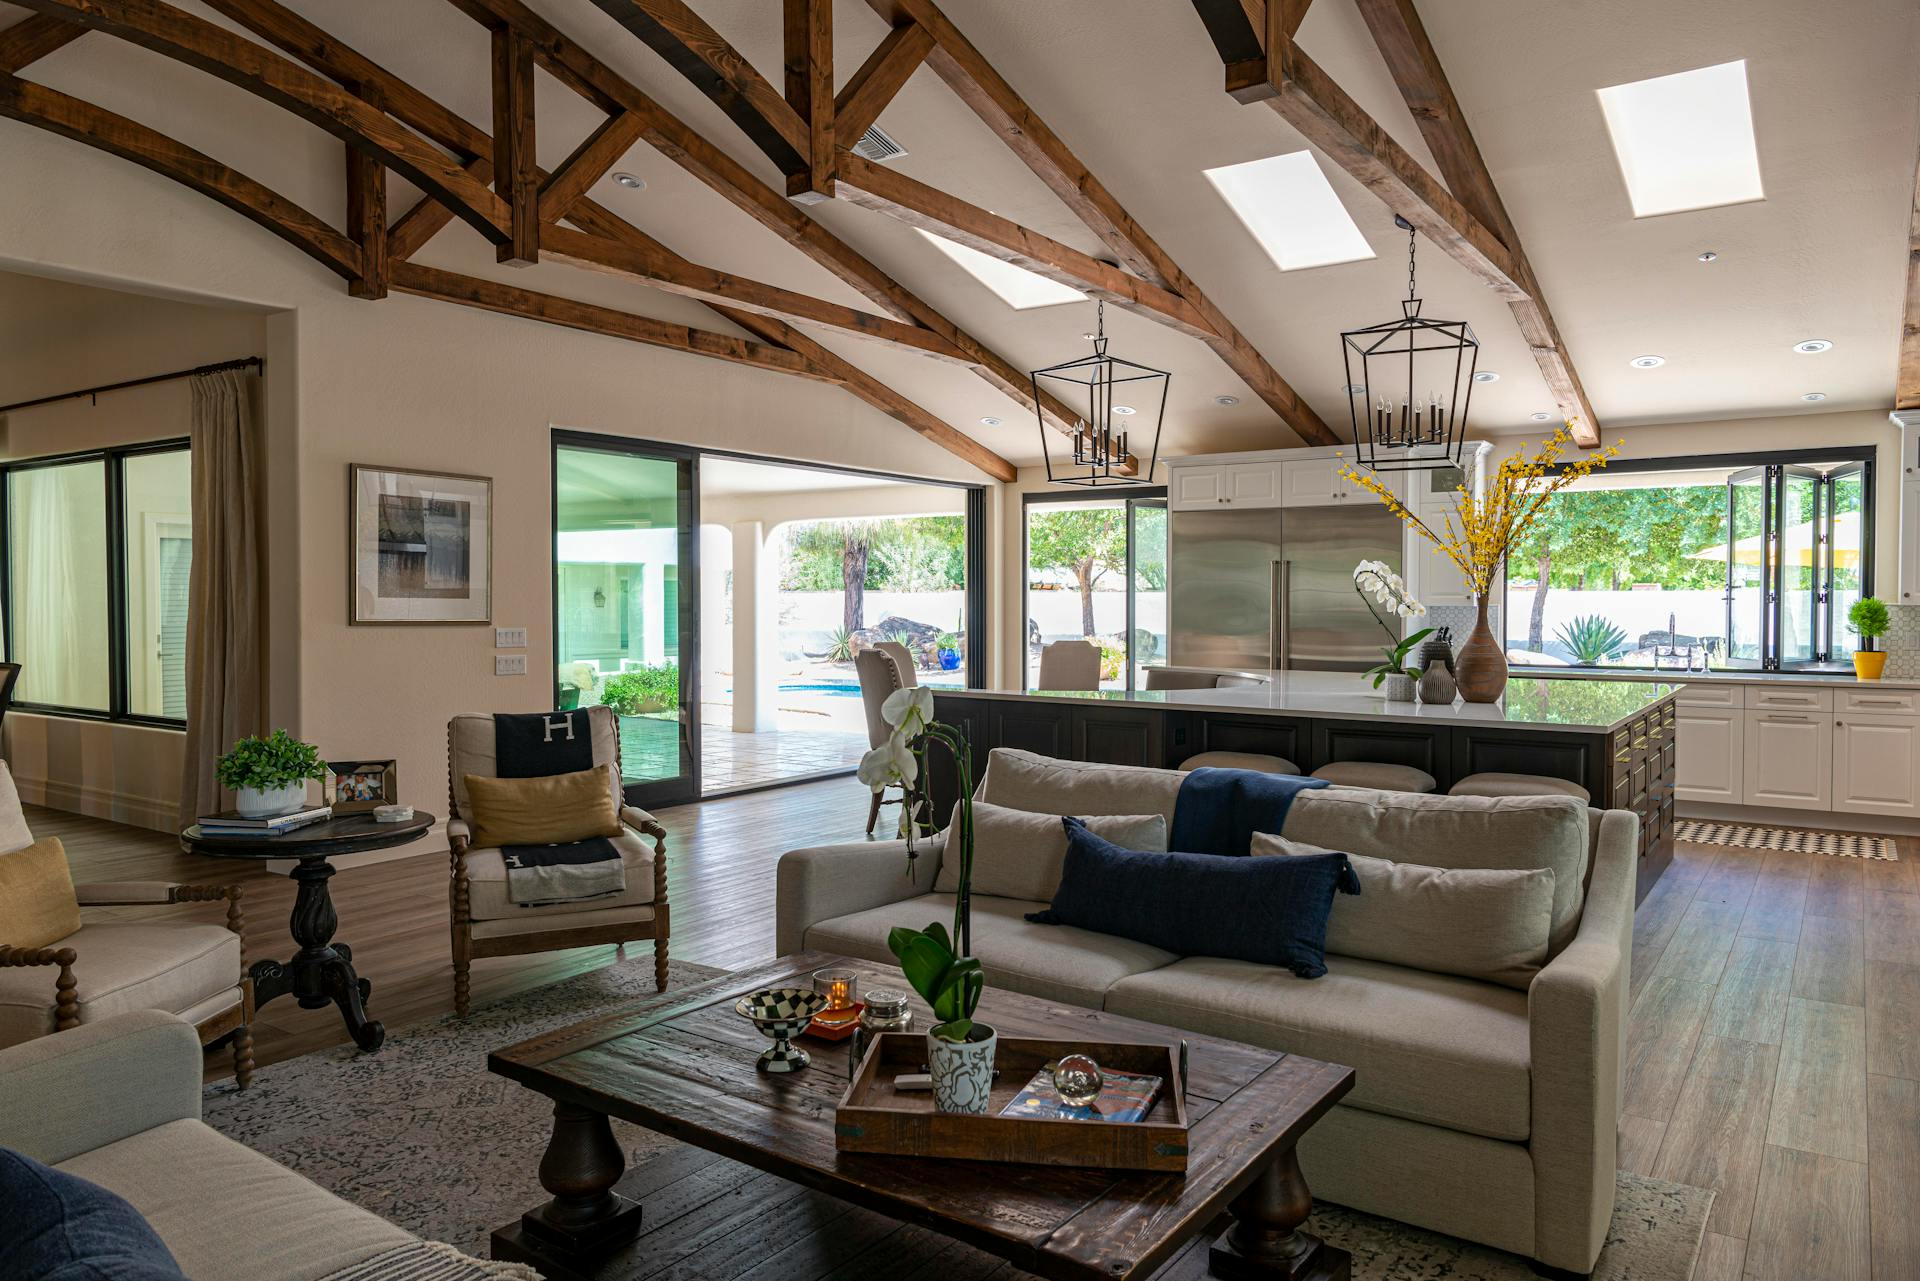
(243, 363)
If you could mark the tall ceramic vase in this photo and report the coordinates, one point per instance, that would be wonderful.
(1481, 669)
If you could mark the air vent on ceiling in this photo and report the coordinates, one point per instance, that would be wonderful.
(876, 146)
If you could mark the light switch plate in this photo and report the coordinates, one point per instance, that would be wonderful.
(509, 638)
(509, 664)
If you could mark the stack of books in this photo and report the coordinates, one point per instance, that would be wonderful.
(233, 823)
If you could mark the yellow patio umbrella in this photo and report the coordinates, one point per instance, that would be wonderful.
(1799, 545)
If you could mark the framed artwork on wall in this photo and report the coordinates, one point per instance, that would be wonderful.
(356, 787)
(421, 547)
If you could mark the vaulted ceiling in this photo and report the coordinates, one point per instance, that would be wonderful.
(1133, 92)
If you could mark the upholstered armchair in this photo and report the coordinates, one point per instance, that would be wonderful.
(487, 922)
(191, 969)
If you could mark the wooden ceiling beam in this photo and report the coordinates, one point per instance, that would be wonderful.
(219, 52)
(1907, 383)
(599, 152)
(879, 80)
(807, 38)
(1423, 83)
(516, 167)
(367, 224)
(70, 117)
(33, 38)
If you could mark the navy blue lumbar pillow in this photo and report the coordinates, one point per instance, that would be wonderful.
(62, 1228)
(1270, 910)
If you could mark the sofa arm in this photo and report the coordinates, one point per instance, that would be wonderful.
(1576, 1010)
(74, 1091)
(825, 881)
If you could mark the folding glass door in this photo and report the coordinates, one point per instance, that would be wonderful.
(1797, 561)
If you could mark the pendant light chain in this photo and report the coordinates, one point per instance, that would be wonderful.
(1410, 249)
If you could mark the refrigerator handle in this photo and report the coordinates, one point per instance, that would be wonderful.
(1280, 591)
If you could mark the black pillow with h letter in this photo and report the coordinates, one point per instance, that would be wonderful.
(1269, 910)
(542, 744)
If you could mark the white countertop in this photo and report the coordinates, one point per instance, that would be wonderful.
(1530, 703)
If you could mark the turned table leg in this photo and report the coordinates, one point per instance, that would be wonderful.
(1265, 1242)
(582, 1163)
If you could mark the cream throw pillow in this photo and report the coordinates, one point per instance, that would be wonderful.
(551, 810)
(1489, 924)
(1017, 854)
(37, 903)
(13, 821)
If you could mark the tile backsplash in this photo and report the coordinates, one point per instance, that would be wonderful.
(1902, 642)
(1458, 617)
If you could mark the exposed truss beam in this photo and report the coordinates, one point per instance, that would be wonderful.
(807, 36)
(879, 79)
(516, 167)
(1416, 69)
(367, 224)
(33, 38)
(428, 216)
(1907, 386)
(241, 62)
(599, 152)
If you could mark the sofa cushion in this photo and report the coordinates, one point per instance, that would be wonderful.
(1270, 910)
(230, 1214)
(1457, 831)
(487, 897)
(1448, 1051)
(470, 750)
(1042, 785)
(60, 1227)
(1018, 855)
(1478, 923)
(1054, 963)
(37, 903)
(555, 809)
(121, 966)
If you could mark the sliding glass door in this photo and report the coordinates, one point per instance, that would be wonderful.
(1797, 559)
(1096, 569)
(624, 631)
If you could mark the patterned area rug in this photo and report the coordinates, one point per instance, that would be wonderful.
(422, 1134)
(1842, 844)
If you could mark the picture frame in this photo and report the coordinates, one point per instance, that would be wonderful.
(420, 547)
(358, 787)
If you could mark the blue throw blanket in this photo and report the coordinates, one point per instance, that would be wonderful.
(1219, 810)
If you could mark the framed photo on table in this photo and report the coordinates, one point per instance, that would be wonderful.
(356, 787)
(421, 547)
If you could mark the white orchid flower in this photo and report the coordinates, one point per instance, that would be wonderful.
(909, 710)
(888, 764)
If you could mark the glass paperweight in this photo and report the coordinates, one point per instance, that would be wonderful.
(1077, 1080)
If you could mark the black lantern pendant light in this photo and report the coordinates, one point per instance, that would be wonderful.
(1410, 392)
(1100, 388)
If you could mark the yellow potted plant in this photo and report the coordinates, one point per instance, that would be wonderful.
(1868, 619)
(1480, 531)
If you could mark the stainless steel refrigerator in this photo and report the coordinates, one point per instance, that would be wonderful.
(1273, 587)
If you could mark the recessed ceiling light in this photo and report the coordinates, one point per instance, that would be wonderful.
(1685, 141)
(1815, 395)
(1540, 418)
(1486, 376)
(1813, 346)
(989, 421)
(1019, 288)
(1647, 362)
(629, 181)
(1124, 409)
(1708, 255)
(1291, 210)
(1226, 400)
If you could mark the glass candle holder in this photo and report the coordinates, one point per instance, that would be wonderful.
(840, 987)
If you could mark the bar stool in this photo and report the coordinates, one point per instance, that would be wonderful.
(1493, 784)
(1377, 775)
(1241, 760)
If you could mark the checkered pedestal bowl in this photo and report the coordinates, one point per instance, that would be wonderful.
(781, 1013)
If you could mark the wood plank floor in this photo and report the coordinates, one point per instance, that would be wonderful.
(1773, 1049)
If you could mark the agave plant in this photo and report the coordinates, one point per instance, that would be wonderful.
(1592, 639)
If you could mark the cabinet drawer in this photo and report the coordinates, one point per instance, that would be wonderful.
(1879, 702)
(1702, 694)
(1792, 698)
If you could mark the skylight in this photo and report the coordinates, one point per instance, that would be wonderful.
(1685, 141)
(1288, 205)
(1017, 287)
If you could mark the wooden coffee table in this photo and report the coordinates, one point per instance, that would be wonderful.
(686, 1069)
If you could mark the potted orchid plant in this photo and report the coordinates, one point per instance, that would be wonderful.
(935, 960)
(1380, 588)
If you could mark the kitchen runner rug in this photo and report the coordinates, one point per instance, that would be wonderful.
(1843, 844)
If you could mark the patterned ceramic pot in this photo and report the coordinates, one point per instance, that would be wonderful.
(256, 802)
(1398, 687)
(962, 1071)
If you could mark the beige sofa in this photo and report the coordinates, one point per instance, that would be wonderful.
(1478, 1110)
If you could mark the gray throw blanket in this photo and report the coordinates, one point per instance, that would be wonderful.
(541, 875)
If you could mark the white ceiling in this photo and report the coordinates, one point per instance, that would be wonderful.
(1135, 90)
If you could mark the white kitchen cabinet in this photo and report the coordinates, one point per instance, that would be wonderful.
(1876, 764)
(1195, 488)
(1909, 540)
(1787, 759)
(1313, 482)
(1711, 764)
(1255, 484)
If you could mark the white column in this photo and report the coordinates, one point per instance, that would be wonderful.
(755, 612)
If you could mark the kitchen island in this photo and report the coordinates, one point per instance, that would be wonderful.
(1615, 738)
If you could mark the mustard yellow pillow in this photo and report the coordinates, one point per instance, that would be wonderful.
(37, 904)
(551, 810)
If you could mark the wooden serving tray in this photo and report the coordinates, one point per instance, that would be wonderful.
(874, 1117)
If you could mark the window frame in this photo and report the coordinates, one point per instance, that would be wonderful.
(1126, 496)
(119, 671)
(1773, 463)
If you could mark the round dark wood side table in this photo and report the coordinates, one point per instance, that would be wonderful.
(321, 972)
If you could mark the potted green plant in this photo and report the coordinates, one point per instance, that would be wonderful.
(643, 690)
(947, 651)
(936, 962)
(1374, 581)
(269, 775)
(1868, 619)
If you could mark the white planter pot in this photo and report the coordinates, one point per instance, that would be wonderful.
(962, 1071)
(254, 802)
(1397, 688)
